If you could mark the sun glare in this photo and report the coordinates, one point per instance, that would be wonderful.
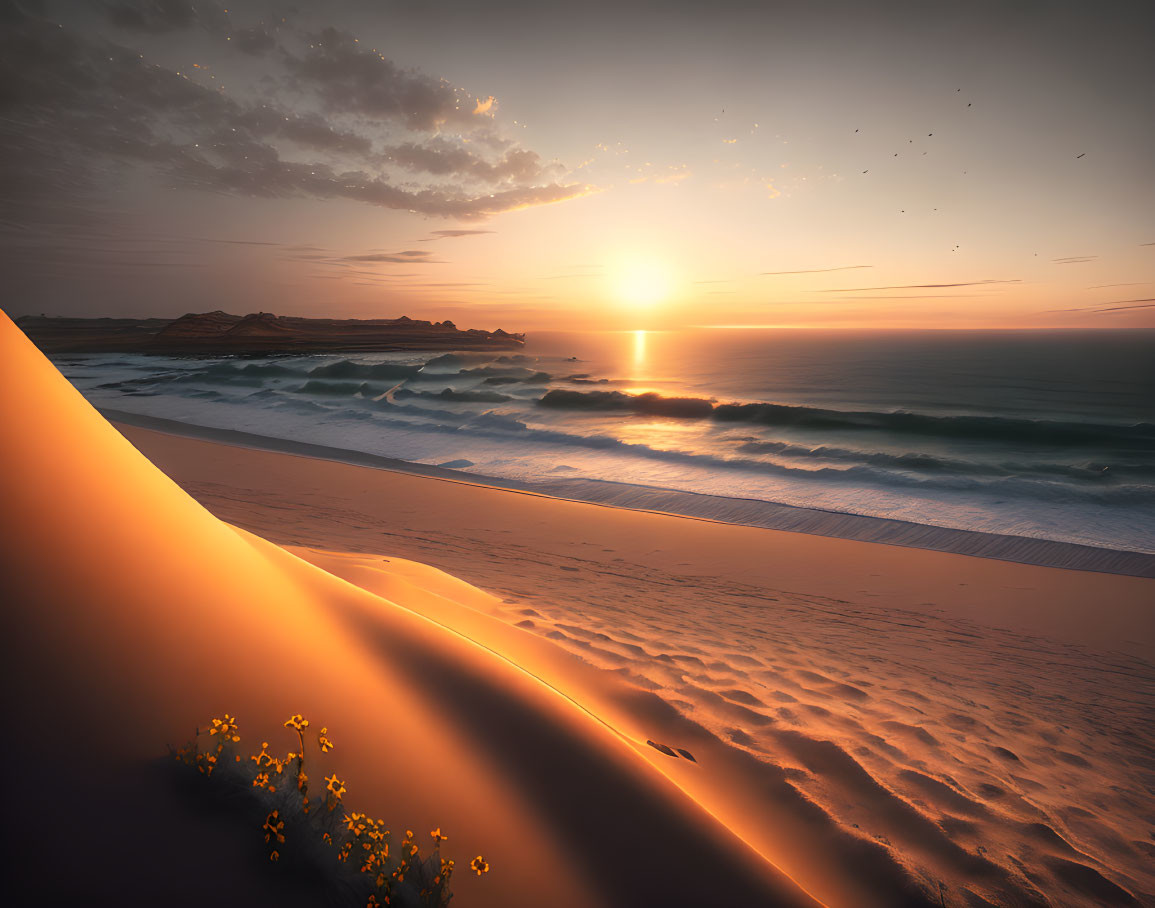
(642, 284)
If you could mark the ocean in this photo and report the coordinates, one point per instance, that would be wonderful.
(1046, 435)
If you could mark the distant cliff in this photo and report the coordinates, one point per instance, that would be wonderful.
(215, 333)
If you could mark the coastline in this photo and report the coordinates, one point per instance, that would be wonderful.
(689, 505)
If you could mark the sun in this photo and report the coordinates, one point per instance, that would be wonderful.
(642, 284)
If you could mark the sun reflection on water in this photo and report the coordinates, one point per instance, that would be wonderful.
(639, 354)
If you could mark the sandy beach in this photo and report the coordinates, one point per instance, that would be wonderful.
(615, 707)
(934, 703)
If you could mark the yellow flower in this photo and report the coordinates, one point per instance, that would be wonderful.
(438, 838)
(261, 780)
(479, 865)
(302, 780)
(335, 785)
(226, 728)
(275, 856)
(372, 903)
(263, 758)
(273, 826)
(299, 722)
(323, 740)
(355, 823)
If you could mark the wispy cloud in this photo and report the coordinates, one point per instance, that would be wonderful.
(1117, 306)
(1074, 259)
(919, 286)
(238, 242)
(816, 270)
(408, 256)
(453, 234)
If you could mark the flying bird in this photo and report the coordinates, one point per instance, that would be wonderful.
(866, 171)
(1079, 155)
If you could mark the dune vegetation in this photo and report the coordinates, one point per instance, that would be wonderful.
(311, 828)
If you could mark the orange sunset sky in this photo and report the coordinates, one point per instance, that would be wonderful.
(583, 166)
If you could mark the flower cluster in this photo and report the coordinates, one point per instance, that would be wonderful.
(359, 843)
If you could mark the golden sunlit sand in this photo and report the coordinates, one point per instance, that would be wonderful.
(752, 717)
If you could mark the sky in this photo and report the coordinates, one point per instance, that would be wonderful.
(594, 165)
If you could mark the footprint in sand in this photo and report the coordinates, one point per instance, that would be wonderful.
(669, 751)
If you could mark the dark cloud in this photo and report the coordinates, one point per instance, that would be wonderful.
(350, 79)
(72, 102)
(255, 40)
(159, 16)
(817, 270)
(441, 156)
(919, 286)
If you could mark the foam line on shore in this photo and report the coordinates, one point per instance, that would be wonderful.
(745, 512)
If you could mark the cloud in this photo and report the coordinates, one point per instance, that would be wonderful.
(239, 242)
(1116, 306)
(160, 16)
(441, 156)
(409, 256)
(349, 79)
(73, 104)
(1074, 259)
(255, 40)
(818, 270)
(454, 234)
(919, 286)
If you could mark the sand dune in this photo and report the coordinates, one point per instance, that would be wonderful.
(135, 614)
(721, 737)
